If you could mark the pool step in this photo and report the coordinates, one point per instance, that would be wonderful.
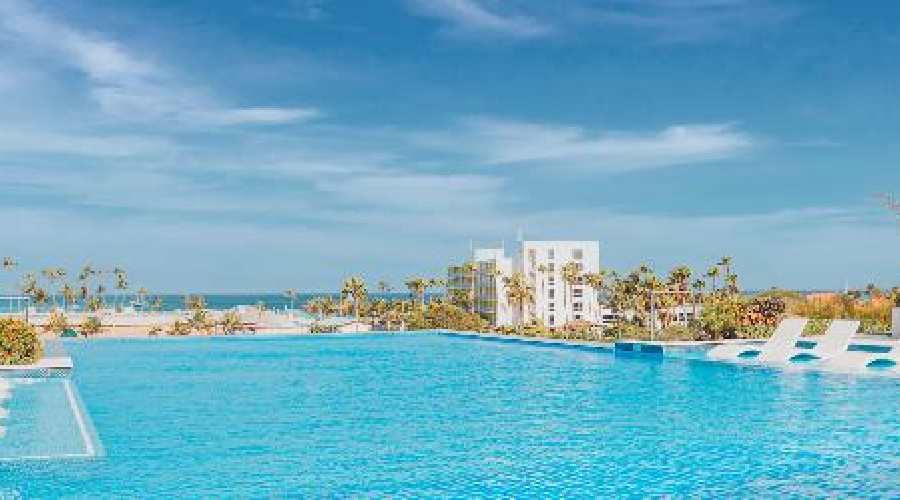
(626, 347)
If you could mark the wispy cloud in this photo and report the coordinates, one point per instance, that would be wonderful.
(125, 85)
(505, 142)
(474, 18)
(91, 146)
(687, 20)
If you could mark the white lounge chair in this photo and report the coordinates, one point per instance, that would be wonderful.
(783, 338)
(855, 361)
(833, 342)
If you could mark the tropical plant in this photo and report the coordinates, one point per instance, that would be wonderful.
(571, 276)
(355, 289)
(470, 269)
(417, 288)
(596, 281)
(874, 314)
(91, 325)
(121, 286)
(200, 321)
(87, 272)
(543, 270)
(157, 303)
(713, 273)
(765, 310)
(57, 323)
(443, 316)
(231, 323)
(194, 302)
(520, 295)
(68, 295)
(723, 317)
(53, 275)
(143, 298)
(180, 328)
(93, 304)
(19, 342)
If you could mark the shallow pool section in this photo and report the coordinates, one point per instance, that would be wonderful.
(437, 416)
(43, 420)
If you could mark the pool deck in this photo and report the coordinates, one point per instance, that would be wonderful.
(54, 363)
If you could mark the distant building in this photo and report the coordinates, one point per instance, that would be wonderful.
(556, 303)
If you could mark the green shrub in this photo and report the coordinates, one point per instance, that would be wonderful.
(757, 331)
(626, 330)
(723, 318)
(156, 330)
(765, 310)
(19, 343)
(200, 321)
(57, 323)
(231, 323)
(443, 316)
(676, 332)
(91, 326)
(179, 328)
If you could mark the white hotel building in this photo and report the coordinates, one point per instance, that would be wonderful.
(541, 262)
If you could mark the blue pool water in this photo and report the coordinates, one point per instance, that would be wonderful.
(437, 416)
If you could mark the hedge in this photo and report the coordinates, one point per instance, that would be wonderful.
(19, 343)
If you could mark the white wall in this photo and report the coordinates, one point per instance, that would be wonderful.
(550, 289)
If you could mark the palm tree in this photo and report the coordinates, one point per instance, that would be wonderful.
(158, 303)
(680, 279)
(725, 262)
(53, 275)
(68, 295)
(101, 285)
(87, 272)
(315, 306)
(355, 288)
(595, 281)
(142, 294)
(698, 286)
(731, 280)
(571, 276)
(29, 286)
(519, 294)
(543, 270)
(712, 274)
(121, 285)
(470, 269)
(417, 288)
(437, 283)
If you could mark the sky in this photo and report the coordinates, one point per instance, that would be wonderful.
(237, 146)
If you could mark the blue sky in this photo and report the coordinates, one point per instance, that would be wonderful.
(237, 145)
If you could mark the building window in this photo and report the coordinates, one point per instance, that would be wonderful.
(577, 254)
(577, 293)
(551, 281)
(551, 268)
(551, 293)
(577, 306)
(577, 317)
(550, 254)
(550, 320)
(551, 306)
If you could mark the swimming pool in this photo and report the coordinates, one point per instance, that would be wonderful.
(432, 415)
